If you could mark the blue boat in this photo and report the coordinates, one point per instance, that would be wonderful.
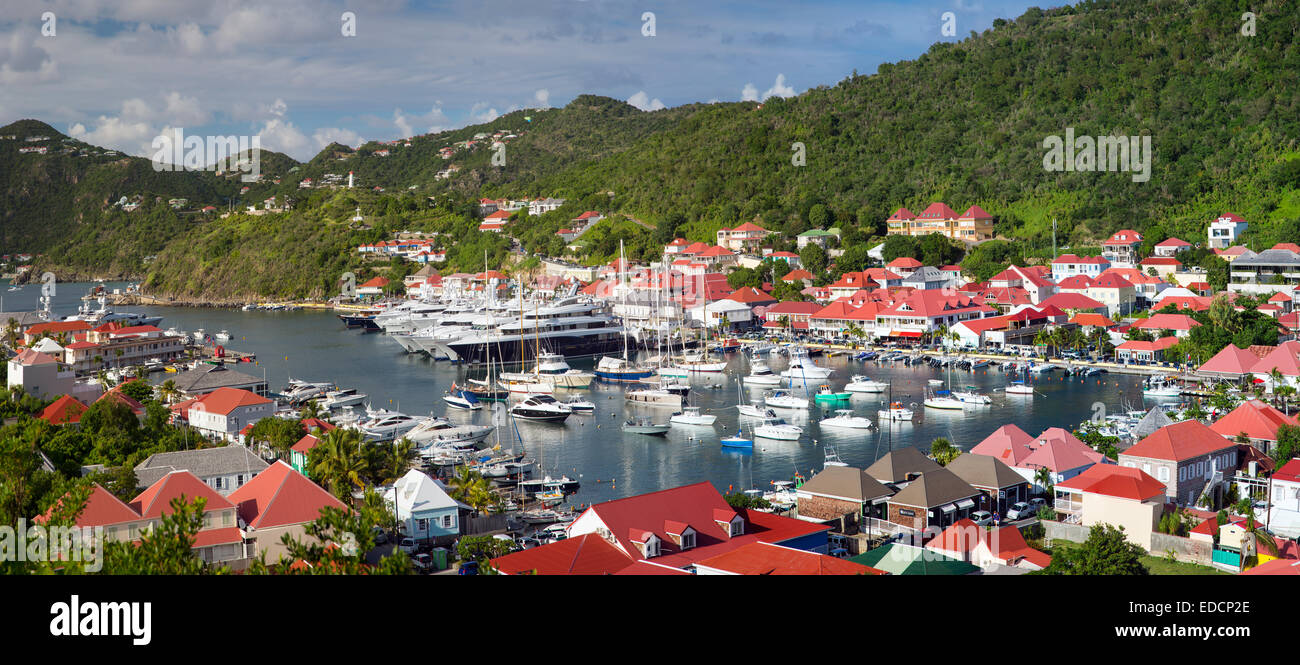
(737, 441)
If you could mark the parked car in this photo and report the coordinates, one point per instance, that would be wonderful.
(982, 517)
(1038, 503)
(468, 568)
(423, 563)
(407, 545)
(380, 536)
(1020, 510)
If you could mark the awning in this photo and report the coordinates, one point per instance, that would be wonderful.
(905, 333)
(966, 503)
(948, 508)
(879, 500)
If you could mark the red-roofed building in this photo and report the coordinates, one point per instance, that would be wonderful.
(745, 236)
(1284, 500)
(800, 276)
(224, 412)
(1089, 319)
(760, 558)
(1170, 247)
(1037, 287)
(1257, 420)
(987, 548)
(642, 527)
(1164, 266)
(1121, 248)
(1138, 351)
(1180, 324)
(277, 501)
(790, 258)
(1066, 266)
(716, 257)
(677, 246)
(752, 297)
(1116, 495)
(55, 329)
(904, 266)
(116, 395)
(373, 287)
(790, 313)
(588, 554)
(1285, 358)
(1055, 449)
(1188, 457)
(218, 539)
(1231, 362)
(924, 311)
(1075, 301)
(971, 226)
(65, 410)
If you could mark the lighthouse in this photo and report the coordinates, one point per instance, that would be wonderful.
(349, 180)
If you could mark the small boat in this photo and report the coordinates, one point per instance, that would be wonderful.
(755, 410)
(802, 367)
(780, 399)
(762, 375)
(971, 396)
(832, 458)
(1159, 386)
(896, 411)
(844, 419)
(778, 429)
(1019, 388)
(864, 384)
(942, 399)
(1041, 369)
(222, 337)
(654, 397)
(541, 408)
(645, 426)
(979, 363)
(691, 416)
(935, 382)
(581, 405)
(737, 440)
(461, 399)
(826, 396)
(544, 516)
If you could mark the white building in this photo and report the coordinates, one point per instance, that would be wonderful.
(1224, 231)
(1284, 500)
(222, 413)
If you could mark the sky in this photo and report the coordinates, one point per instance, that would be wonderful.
(119, 73)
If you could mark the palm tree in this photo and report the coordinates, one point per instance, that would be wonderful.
(1043, 478)
(1275, 375)
(943, 451)
(310, 409)
(169, 391)
(337, 462)
(393, 462)
(471, 488)
(12, 329)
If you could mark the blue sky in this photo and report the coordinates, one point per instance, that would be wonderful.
(120, 72)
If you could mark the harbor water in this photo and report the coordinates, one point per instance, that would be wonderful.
(314, 346)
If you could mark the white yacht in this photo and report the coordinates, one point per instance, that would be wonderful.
(554, 366)
(1019, 388)
(573, 326)
(691, 415)
(440, 431)
(864, 384)
(385, 425)
(802, 367)
(775, 428)
(844, 419)
(970, 395)
(943, 399)
(697, 362)
(222, 337)
(298, 391)
(1159, 386)
(780, 399)
(542, 408)
(762, 375)
(654, 397)
(896, 411)
(338, 399)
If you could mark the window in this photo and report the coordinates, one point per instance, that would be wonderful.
(737, 527)
(216, 482)
(421, 525)
(239, 480)
(227, 518)
(1164, 473)
(688, 541)
(446, 521)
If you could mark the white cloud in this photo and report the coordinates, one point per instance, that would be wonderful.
(327, 135)
(543, 98)
(481, 113)
(642, 101)
(435, 120)
(282, 136)
(132, 137)
(778, 89)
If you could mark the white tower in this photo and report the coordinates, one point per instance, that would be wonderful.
(349, 180)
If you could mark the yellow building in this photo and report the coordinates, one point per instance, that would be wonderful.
(971, 226)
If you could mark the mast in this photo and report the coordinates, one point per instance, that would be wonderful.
(622, 281)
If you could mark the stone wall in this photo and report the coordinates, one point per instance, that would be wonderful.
(1184, 549)
(823, 508)
(1061, 531)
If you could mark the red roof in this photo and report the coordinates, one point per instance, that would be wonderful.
(1074, 259)
(306, 443)
(791, 307)
(116, 395)
(498, 216)
(696, 248)
(66, 409)
(1109, 280)
(28, 358)
(938, 210)
(1061, 451)
(1076, 282)
(1124, 237)
(310, 424)
(1160, 261)
(1170, 321)
(219, 536)
(280, 496)
(1006, 543)
(902, 215)
(759, 558)
(1157, 345)
(1289, 472)
(56, 327)
(1072, 301)
(81, 345)
(102, 509)
(1173, 242)
(1257, 419)
(975, 212)
(224, 400)
(750, 295)
(1091, 319)
(374, 282)
(156, 501)
(749, 227)
(1179, 441)
(1285, 357)
(904, 262)
(795, 275)
(1288, 246)
(1231, 360)
(588, 554)
(1118, 481)
(1275, 567)
(716, 250)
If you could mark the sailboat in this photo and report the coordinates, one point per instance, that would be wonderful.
(622, 370)
(943, 399)
(461, 399)
(528, 383)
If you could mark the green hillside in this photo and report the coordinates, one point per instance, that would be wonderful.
(964, 123)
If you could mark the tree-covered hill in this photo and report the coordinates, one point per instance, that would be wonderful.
(964, 123)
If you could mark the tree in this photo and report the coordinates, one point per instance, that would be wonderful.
(165, 549)
(1106, 552)
(482, 549)
(168, 391)
(337, 462)
(739, 500)
(813, 258)
(943, 451)
(1043, 478)
(279, 434)
(471, 488)
(1288, 444)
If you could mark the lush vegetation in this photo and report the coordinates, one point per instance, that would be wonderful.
(1219, 107)
(1105, 552)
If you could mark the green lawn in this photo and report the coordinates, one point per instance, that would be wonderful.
(1157, 565)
